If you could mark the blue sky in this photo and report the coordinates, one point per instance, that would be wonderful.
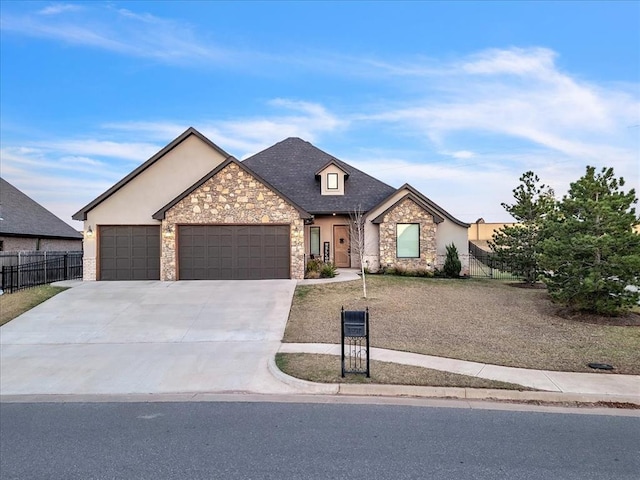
(456, 98)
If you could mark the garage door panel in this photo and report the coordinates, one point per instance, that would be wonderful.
(233, 252)
(129, 252)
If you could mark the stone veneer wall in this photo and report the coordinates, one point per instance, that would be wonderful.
(232, 196)
(407, 211)
(89, 269)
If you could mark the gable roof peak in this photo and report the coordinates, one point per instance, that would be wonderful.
(82, 213)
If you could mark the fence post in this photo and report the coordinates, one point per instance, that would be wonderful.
(66, 266)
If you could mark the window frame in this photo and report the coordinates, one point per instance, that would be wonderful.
(398, 236)
(311, 252)
(337, 182)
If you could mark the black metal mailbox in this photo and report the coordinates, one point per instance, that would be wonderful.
(355, 341)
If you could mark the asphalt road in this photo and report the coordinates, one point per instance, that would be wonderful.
(309, 441)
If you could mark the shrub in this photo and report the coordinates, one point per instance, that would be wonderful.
(452, 264)
(314, 265)
(328, 270)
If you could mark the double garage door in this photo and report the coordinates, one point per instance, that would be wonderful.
(205, 252)
(233, 252)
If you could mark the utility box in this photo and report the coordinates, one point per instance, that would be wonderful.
(355, 341)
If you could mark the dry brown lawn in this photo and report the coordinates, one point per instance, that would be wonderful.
(14, 304)
(326, 369)
(480, 320)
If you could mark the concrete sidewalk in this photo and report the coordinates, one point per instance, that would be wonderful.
(604, 385)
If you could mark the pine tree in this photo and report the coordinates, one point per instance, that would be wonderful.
(590, 251)
(452, 264)
(518, 246)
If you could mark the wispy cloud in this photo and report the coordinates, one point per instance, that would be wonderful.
(465, 133)
(520, 94)
(118, 30)
(247, 135)
(58, 8)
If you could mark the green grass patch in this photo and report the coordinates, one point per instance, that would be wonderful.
(15, 304)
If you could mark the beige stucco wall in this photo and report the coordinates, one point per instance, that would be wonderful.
(232, 196)
(447, 233)
(484, 231)
(326, 223)
(139, 199)
(323, 181)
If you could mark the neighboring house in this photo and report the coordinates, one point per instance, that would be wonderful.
(480, 233)
(192, 211)
(25, 225)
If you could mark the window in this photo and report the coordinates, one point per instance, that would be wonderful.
(314, 238)
(408, 240)
(332, 181)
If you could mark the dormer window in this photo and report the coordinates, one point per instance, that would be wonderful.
(332, 181)
(332, 178)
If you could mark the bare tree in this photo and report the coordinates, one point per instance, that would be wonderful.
(356, 231)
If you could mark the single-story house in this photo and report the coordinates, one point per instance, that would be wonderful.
(25, 225)
(192, 211)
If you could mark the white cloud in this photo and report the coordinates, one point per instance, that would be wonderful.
(58, 8)
(121, 31)
(247, 135)
(517, 100)
(135, 151)
(468, 130)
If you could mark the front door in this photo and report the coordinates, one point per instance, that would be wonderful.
(341, 246)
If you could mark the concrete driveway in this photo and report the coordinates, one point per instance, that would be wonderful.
(148, 337)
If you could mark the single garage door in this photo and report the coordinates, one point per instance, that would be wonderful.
(129, 252)
(233, 252)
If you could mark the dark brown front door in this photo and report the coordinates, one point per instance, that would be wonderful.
(233, 252)
(129, 252)
(341, 246)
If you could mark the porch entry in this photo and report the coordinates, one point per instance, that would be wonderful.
(341, 246)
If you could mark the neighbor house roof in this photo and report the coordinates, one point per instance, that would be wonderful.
(160, 214)
(24, 217)
(82, 213)
(291, 167)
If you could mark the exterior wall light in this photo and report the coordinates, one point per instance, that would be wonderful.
(168, 231)
(89, 232)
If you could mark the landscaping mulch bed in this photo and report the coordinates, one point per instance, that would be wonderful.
(479, 320)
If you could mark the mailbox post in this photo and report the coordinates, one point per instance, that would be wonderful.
(355, 341)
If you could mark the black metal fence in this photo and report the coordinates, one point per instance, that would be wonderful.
(485, 264)
(66, 266)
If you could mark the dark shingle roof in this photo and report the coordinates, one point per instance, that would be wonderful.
(24, 217)
(291, 166)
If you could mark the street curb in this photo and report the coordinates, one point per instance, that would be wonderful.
(481, 394)
(302, 385)
(382, 390)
